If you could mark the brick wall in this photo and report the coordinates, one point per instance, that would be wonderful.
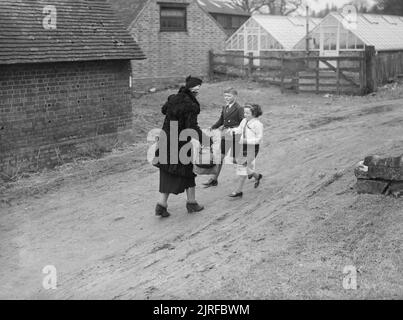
(47, 110)
(171, 56)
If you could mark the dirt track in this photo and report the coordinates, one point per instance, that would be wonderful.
(289, 239)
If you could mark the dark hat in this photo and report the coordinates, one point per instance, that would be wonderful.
(193, 82)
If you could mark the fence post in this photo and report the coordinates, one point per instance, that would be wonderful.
(250, 64)
(210, 64)
(338, 76)
(282, 72)
(317, 75)
(363, 78)
(370, 78)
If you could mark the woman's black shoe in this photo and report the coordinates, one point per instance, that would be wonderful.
(236, 195)
(211, 183)
(258, 181)
(161, 211)
(250, 176)
(193, 207)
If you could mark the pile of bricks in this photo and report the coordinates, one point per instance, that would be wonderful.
(376, 175)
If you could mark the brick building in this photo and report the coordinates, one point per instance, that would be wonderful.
(175, 35)
(228, 15)
(64, 79)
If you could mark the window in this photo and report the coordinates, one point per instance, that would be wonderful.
(237, 21)
(252, 43)
(172, 17)
(241, 41)
(224, 20)
(316, 41)
(352, 42)
(330, 41)
(343, 40)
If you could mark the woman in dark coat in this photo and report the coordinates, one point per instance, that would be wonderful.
(181, 112)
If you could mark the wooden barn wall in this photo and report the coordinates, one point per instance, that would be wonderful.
(389, 65)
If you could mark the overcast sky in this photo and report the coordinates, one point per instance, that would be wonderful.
(321, 4)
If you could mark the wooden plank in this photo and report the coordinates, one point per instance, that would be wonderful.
(228, 64)
(250, 64)
(324, 60)
(312, 84)
(363, 80)
(296, 79)
(317, 75)
(330, 91)
(267, 68)
(230, 74)
(331, 58)
(230, 55)
(338, 77)
(354, 70)
(267, 58)
(282, 73)
(246, 57)
(370, 78)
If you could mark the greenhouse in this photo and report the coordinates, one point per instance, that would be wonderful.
(268, 33)
(337, 34)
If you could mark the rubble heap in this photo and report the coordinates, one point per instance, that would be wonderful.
(376, 175)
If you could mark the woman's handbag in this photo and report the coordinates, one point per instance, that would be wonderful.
(205, 158)
(204, 162)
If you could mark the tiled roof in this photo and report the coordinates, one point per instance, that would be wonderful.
(286, 30)
(220, 6)
(85, 30)
(382, 31)
(127, 10)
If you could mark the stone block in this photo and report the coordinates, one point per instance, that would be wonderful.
(385, 173)
(371, 186)
(396, 189)
(361, 171)
(371, 160)
(385, 168)
(390, 162)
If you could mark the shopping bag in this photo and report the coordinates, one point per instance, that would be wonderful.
(205, 171)
(205, 158)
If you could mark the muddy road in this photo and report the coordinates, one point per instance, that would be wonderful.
(290, 238)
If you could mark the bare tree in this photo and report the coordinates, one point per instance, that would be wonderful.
(275, 7)
(394, 7)
(249, 5)
(289, 6)
(361, 5)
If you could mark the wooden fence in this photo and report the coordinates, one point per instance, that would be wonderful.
(389, 66)
(341, 74)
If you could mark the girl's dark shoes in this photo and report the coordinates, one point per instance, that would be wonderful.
(258, 180)
(193, 207)
(161, 211)
(236, 195)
